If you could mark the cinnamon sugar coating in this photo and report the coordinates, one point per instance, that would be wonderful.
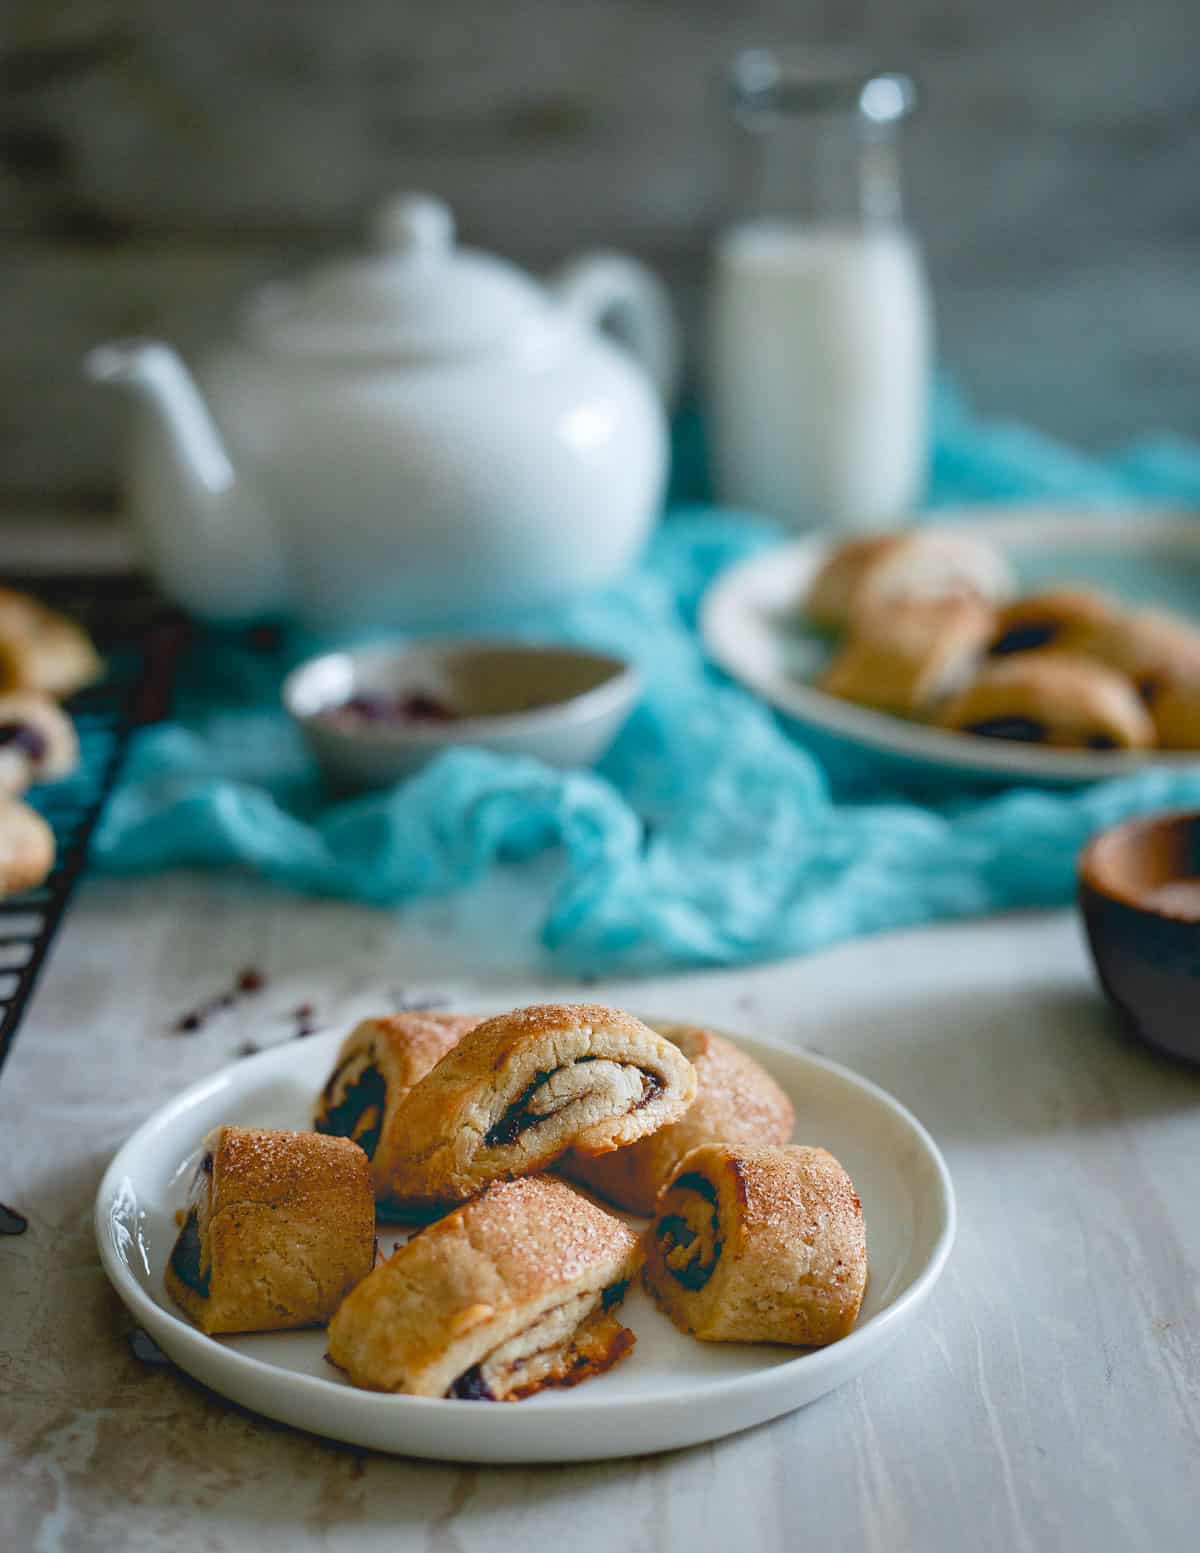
(759, 1245)
(279, 1227)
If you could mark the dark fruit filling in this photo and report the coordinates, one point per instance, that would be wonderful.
(614, 1294)
(471, 1387)
(693, 1182)
(359, 1113)
(1024, 638)
(1025, 729)
(413, 706)
(518, 1117)
(185, 1259)
(674, 1230)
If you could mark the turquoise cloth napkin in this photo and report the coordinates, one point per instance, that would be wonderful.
(709, 834)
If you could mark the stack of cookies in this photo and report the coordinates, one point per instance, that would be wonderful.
(514, 1281)
(44, 658)
(930, 629)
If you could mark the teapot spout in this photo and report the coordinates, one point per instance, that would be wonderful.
(206, 533)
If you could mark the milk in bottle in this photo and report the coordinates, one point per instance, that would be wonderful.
(819, 328)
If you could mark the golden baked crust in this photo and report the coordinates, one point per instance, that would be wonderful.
(501, 1298)
(759, 1245)
(1173, 699)
(737, 1101)
(877, 570)
(830, 598)
(907, 656)
(1145, 643)
(1065, 619)
(37, 741)
(1051, 698)
(43, 650)
(280, 1227)
(1161, 655)
(519, 1090)
(26, 847)
(376, 1066)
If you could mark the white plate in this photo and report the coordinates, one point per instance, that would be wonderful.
(751, 628)
(671, 1392)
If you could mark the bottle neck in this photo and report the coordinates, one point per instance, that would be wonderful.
(815, 171)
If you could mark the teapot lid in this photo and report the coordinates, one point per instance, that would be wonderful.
(417, 294)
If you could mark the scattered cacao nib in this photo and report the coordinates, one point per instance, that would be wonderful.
(146, 1351)
(248, 981)
(304, 1012)
(247, 1049)
(12, 1222)
(305, 1029)
(413, 706)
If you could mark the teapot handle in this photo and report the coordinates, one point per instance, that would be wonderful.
(614, 292)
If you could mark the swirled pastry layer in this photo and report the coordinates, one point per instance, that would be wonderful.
(517, 1091)
(759, 1245)
(501, 1298)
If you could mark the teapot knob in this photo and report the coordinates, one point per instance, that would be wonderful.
(414, 224)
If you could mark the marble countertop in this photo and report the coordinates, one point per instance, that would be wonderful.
(1048, 1398)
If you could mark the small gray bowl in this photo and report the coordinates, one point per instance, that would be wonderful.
(562, 704)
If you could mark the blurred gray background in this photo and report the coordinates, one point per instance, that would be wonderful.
(157, 157)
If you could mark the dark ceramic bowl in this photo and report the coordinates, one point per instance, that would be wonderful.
(1139, 891)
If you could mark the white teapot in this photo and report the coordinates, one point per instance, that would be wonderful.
(417, 437)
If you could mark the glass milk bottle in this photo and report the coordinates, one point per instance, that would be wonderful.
(819, 332)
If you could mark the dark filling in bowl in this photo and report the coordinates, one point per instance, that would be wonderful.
(20, 736)
(519, 1117)
(1025, 637)
(673, 1230)
(410, 706)
(368, 1091)
(185, 1259)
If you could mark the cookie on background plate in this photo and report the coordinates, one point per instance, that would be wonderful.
(928, 563)
(1055, 699)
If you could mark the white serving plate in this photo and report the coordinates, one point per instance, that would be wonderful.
(752, 628)
(672, 1391)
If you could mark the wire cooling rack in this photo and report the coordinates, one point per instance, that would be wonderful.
(140, 638)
